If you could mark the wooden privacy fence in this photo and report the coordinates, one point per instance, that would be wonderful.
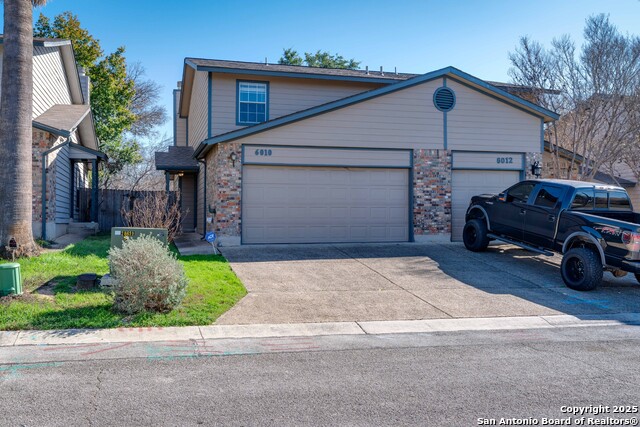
(110, 205)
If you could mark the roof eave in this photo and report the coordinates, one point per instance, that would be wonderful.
(315, 76)
(452, 72)
(546, 115)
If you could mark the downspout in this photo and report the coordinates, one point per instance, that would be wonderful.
(204, 198)
(43, 233)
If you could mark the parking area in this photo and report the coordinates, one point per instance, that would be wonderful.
(408, 281)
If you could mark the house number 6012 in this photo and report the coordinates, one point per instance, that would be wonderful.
(263, 152)
(504, 160)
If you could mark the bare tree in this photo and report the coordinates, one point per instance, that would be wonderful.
(149, 114)
(594, 88)
(142, 176)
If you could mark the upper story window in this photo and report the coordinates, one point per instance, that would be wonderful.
(253, 102)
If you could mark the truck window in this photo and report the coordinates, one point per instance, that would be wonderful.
(583, 200)
(548, 196)
(601, 200)
(520, 192)
(619, 201)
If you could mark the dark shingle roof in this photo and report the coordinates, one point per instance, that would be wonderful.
(608, 179)
(298, 69)
(176, 159)
(386, 76)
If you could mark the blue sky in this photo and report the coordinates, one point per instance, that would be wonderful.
(412, 35)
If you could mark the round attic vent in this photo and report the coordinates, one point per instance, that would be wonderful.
(444, 99)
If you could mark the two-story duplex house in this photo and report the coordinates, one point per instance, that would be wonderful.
(65, 147)
(268, 153)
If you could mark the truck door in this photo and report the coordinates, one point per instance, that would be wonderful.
(507, 216)
(541, 215)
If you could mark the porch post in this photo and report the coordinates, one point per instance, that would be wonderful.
(167, 180)
(94, 190)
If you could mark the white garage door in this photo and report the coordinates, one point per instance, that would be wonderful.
(469, 183)
(287, 204)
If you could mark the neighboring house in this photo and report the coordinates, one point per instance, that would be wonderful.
(570, 164)
(64, 139)
(269, 153)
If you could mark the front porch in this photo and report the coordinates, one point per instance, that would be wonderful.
(181, 174)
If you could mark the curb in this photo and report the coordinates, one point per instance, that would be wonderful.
(89, 336)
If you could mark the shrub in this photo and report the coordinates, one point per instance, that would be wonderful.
(146, 276)
(153, 209)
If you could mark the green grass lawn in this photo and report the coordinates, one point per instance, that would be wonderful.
(51, 302)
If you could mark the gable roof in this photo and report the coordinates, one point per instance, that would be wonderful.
(86, 128)
(191, 65)
(599, 176)
(449, 72)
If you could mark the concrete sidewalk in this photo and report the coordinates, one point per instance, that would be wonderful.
(126, 335)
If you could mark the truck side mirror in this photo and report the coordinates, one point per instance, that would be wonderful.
(502, 197)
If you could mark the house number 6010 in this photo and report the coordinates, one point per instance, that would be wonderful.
(263, 152)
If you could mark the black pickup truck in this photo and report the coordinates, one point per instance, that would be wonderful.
(592, 225)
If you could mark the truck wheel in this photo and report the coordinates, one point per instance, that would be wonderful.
(474, 235)
(581, 269)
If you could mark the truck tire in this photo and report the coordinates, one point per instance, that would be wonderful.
(474, 235)
(638, 277)
(581, 269)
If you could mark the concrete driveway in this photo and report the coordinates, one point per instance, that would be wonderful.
(332, 283)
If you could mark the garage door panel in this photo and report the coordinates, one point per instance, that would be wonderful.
(313, 205)
(468, 183)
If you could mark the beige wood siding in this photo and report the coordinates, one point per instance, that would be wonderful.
(181, 124)
(310, 156)
(286, 96)
(482, 160)
(479, 122)
(198, 123)
(313, 204)
(402, 119)
(50, 85)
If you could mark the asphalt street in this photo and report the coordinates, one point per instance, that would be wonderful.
(428, 379)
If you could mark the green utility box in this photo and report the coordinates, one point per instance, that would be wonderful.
(10, 279)
(122, 234)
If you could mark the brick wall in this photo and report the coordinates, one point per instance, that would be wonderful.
(43, 141)
(431, 189)
(224, 189)
(431, 192)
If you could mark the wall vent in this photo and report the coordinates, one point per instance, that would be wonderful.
(444, 99)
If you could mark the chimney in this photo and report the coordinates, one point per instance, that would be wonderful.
(381, 71)
(367, 68)
(395, 70)
(84, 85)
(180, 84)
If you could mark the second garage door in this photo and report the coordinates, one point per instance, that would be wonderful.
(469, 183)
(283, 204)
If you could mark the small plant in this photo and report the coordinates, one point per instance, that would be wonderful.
(154, 209)
(146, 276)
